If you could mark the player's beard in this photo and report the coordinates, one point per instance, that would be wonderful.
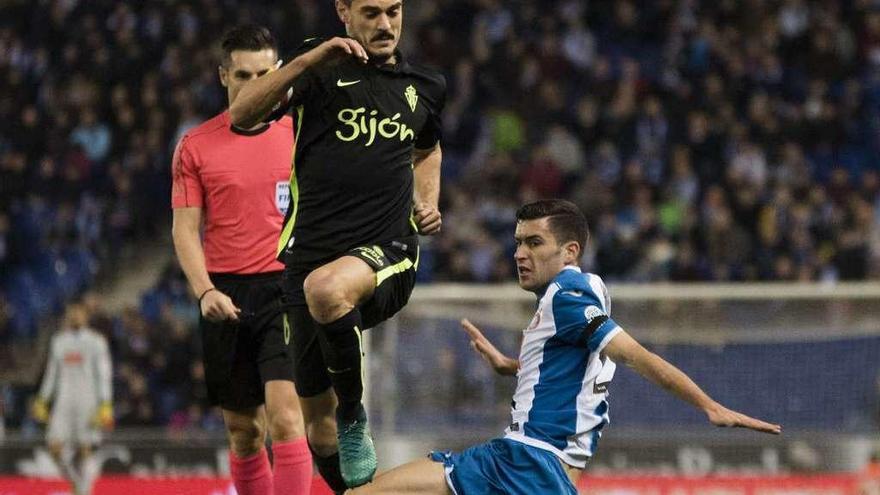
(380, 59)
(383, 58)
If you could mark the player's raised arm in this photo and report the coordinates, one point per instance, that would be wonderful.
(258, 97)
(426, 190)
(624, 349)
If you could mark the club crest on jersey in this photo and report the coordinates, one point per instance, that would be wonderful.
(412, 97)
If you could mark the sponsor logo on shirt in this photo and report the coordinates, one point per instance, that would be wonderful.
(73, 358)
(364, 124)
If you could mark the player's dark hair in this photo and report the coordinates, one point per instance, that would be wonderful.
(566, 221)
(246, 37)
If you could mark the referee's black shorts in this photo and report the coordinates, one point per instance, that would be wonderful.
(241, 357)
(395, 264)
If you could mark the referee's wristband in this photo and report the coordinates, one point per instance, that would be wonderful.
(205, 294)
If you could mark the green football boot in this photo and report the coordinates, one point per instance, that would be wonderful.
(357, 455)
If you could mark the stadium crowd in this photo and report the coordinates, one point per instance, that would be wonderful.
(726, 140)
(730, 140)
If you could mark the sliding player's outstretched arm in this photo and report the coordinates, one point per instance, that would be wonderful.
(624, 349)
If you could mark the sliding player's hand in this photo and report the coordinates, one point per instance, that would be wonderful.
(502, 364)
(217, 307)
(428, 219)
(724, 417)
(335, 49)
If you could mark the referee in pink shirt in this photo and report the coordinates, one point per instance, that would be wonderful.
(232, 183)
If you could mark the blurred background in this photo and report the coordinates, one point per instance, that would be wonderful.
(718, 149)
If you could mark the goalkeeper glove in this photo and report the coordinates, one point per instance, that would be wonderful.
(104, 416)
(40, 410)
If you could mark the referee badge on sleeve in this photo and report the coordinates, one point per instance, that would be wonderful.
(282, 196)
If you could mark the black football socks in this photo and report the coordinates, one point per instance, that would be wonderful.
(328, 468)
(342, 355)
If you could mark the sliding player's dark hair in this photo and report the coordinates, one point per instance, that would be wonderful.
(566, 221)
(246, 37)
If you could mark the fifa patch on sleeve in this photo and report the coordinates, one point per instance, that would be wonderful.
(282, 196)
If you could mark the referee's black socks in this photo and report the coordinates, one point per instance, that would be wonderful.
(342, 355)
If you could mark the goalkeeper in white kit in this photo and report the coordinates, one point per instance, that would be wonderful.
(78, 385)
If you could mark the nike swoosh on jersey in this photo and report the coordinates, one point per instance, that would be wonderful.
(343, 84)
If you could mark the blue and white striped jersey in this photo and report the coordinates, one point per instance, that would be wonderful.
(560, 403)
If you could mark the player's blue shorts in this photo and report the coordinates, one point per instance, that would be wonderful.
(504, 467)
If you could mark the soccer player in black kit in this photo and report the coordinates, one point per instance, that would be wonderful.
(365, 183)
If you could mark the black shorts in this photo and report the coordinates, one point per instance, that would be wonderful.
(241, 357)
(395, 264)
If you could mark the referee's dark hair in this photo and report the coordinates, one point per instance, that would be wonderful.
(246, 37)
(566, 221)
